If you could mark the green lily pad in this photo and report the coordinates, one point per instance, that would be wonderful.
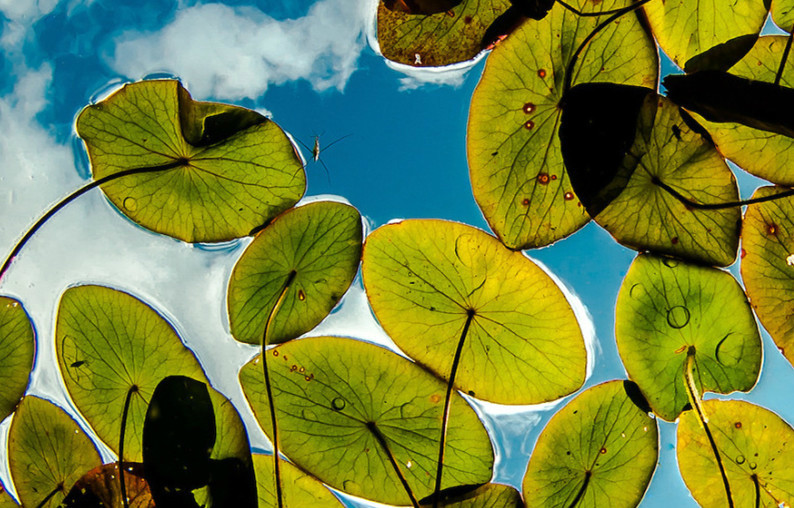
(47, 452)
(664, 307)
(599, 450)
(436, 39)
(224, 170)
(17, 346)
(317, 247)
(6, 501)
(645, 216)
(763, 153)
(298, 488)
(347, 408)
(783, 14)
(755, 447)
(523, 345)
(685, 29)
(517, 173)
(101, 487)
(109, 343)
(491, 495)
(768, 265)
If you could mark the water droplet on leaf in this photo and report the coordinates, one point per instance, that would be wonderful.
(670, 263)
(740, 459)
(637, 291)
(752, 465)
(130, 204)
(338, 403)
(678, 316)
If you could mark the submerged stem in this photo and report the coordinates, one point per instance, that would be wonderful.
(133, 389)
(694, 399)
(616, 14)
(447, 400)
(76, 194)
(44, 501)
(717, 206)
(580, 494)
(373, 427)
(268, 388)
(784, 58)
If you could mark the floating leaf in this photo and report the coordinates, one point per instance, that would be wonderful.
(647, 216)
(516, 167)
(664, 308)
(783, 14)
(16, 353)
(768, 265)
(755, 447)
(685, 29)
(722, 56)
(6, 501)
(100, 487)
(491, 495)
(599, 450)
(423, 279)
(318, 244)
(225, 170)
(47, 452)
(437, 39)
(299, 489)
(766, 154)
(346, 409)
(108, 344)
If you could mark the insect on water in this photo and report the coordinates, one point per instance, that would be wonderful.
(315, 150)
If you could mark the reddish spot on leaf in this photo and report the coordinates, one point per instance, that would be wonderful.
(529, 108)
(543, 178)
(772, 229)
(529, 125)
(568, 196)
(467, 19)
(603, 451)
(738, 425)
(553, 177)
(525, 202)
(674, 240)
(542, 73)
(742, 253)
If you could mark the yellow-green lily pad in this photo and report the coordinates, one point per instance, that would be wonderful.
(523, 344)
(223, 170)
(17, 345)
(599, 450)
(517, 173)
(756, 449)
(664, 308)
(47, 452)
(298, 488)
(317, 249)
(783, 14)
(360, 418)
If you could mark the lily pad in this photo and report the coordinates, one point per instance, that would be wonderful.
(664, 308)
(100, 487)
(353, 414)
(224, 170)
(6, 501)
(755, 448)
(766, 154)
(47, 452)
(523, 344)
(299, 488)
(17, 346)
(685, 29)
(443, 38)
(317, 248)
(110, 344)
(783, 14)
(491, 495)
(517, 173)
(768, 265)
(646, 216)
(599, 450)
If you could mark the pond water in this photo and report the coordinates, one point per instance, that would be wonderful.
(310, 66)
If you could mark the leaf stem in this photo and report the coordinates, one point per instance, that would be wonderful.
(617, 13)
(470, 313)
(784, 58)
(133, 389)
(718, 206)
(76, 194)
(373, 427)
(694, 399)
(265, 340)
(44, 501)
(580, 494)
(754, 477)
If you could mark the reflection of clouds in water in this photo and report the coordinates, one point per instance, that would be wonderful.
(231, 53)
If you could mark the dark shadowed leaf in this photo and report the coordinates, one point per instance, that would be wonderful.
(764, 153)
(646, 216)
(491, 495)
(319, 242)
(665, 306)
(444, 38)
(347, 408)
(768, 265)
(47, 452)
(516, 167)
(298, 488)
(722, 56)
(227, 170)
(597, 128)
(17, 346)
(755, 447)
(523, 345)
(100, 488)
(109, 343)
(684, 28)
(599, 450)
